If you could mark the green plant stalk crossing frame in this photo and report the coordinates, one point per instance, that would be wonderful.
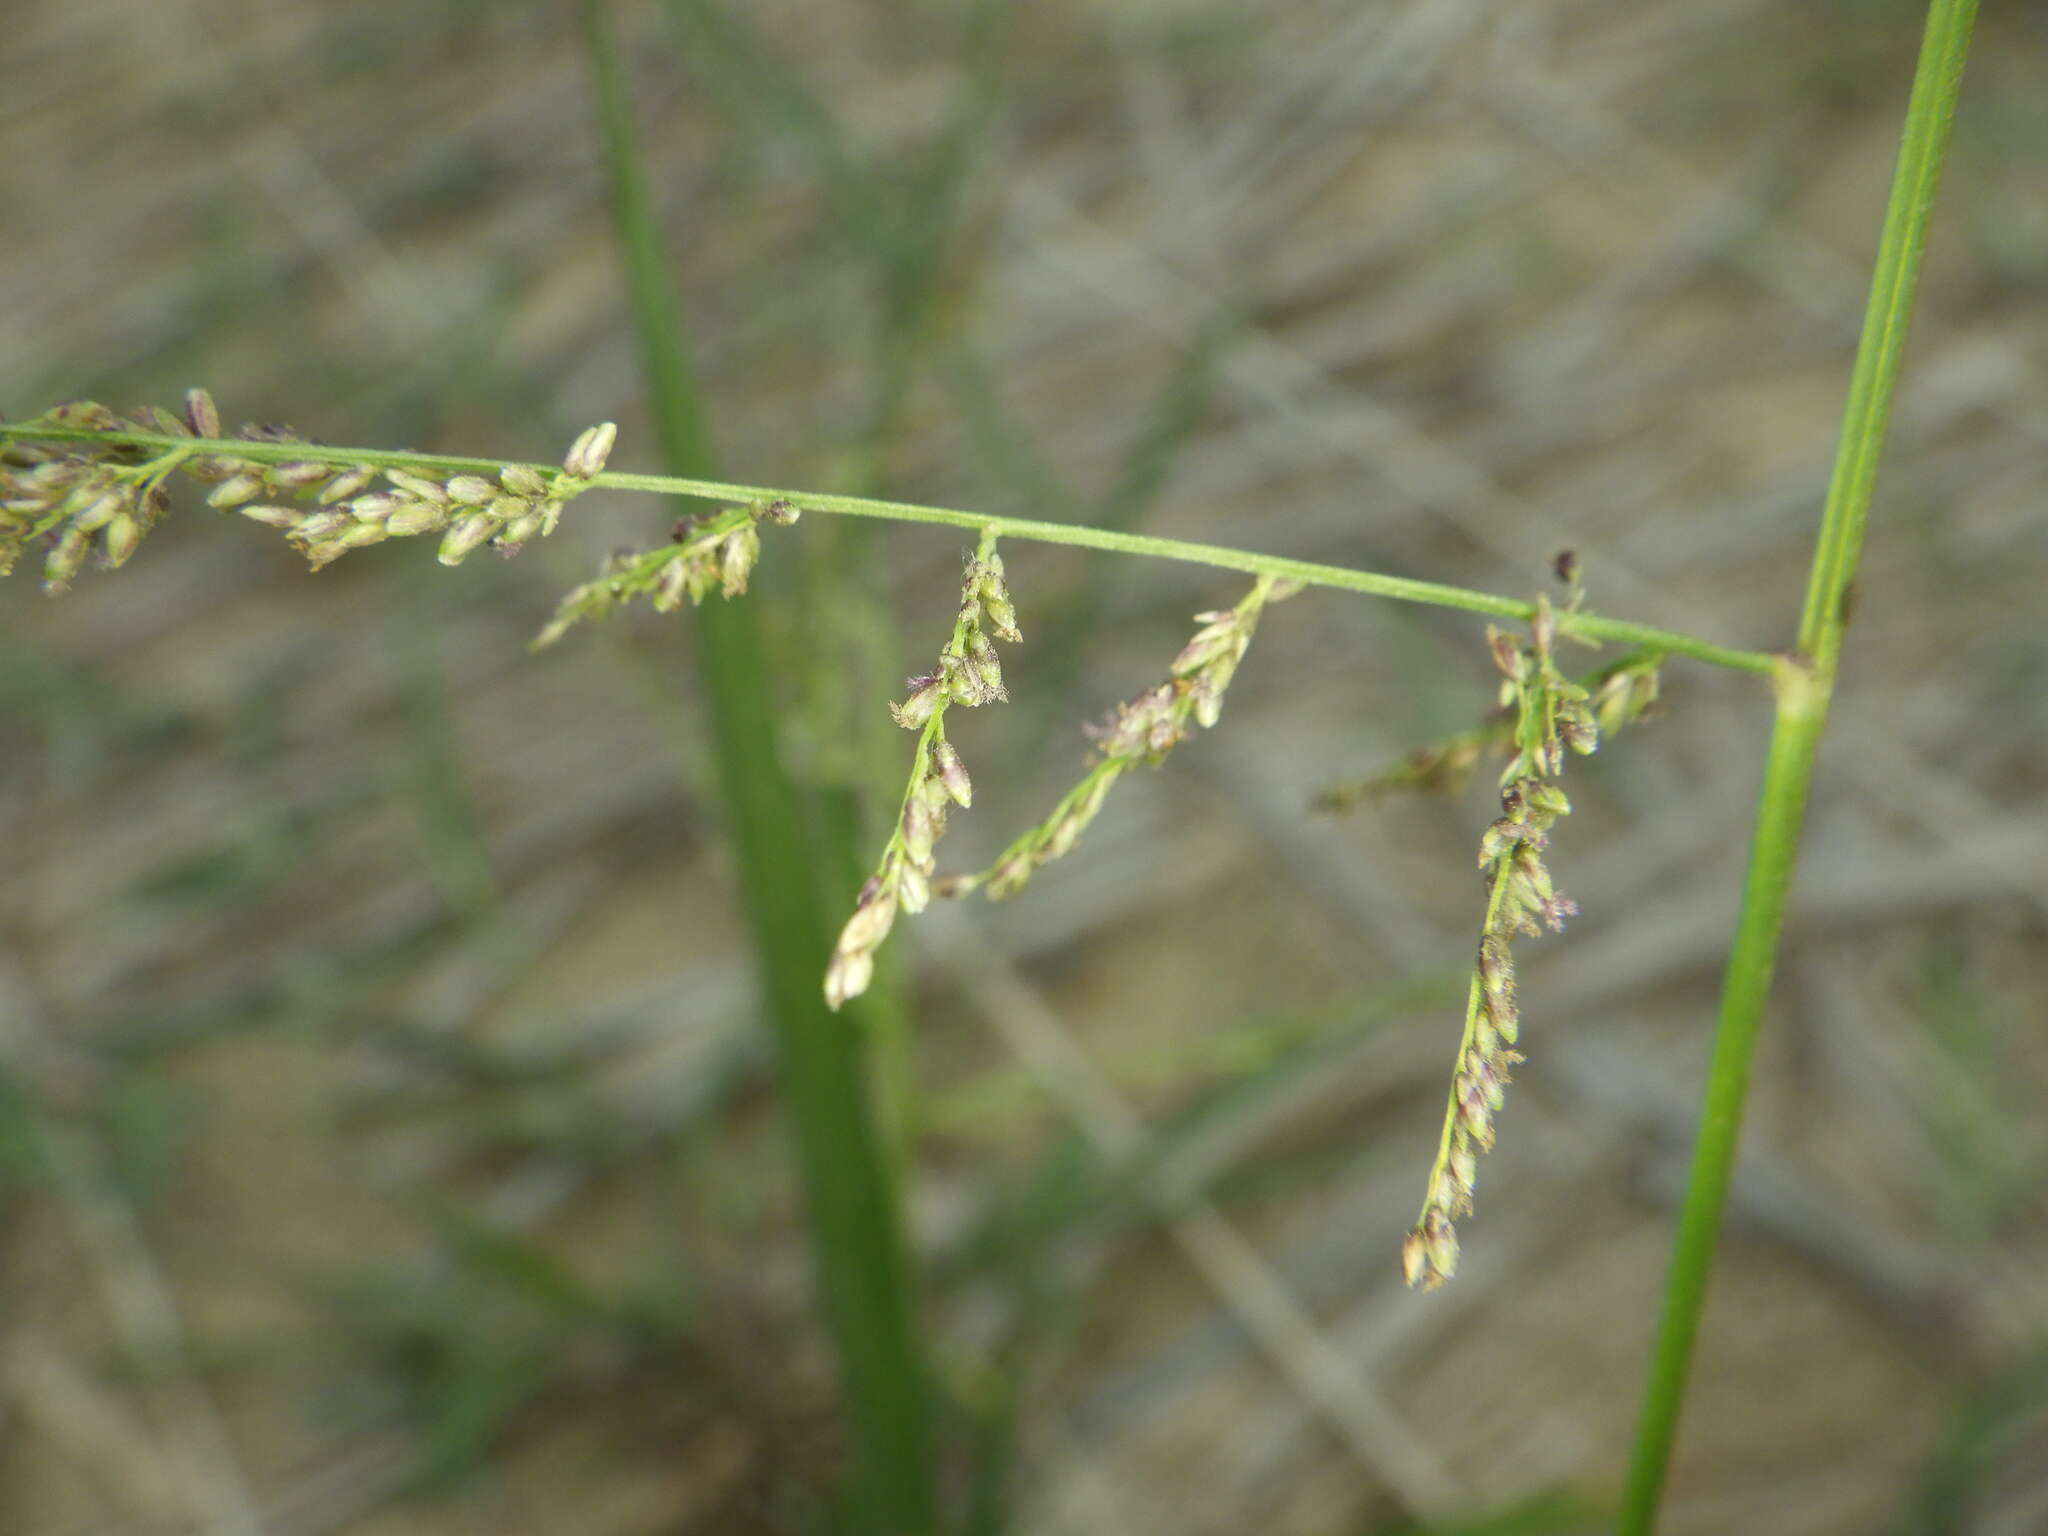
(1803, 685)
(856, 1234)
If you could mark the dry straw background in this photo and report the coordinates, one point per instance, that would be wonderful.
(386, 1145)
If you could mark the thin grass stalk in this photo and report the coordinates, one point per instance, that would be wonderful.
(1579, 623)
(1804, 683)
(854, 1220)
(901, 224)
(721, 46)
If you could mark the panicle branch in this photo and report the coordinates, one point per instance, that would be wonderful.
(1143, 730)
(1550, 713)
(718, 550)
(1623, 690)
(97, 499)
(152, 434)
(969, 674)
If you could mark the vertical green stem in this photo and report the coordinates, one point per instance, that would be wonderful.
(1795, 734)
(1804, 684)
(854, 1221)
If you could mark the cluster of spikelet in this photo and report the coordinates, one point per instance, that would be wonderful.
(94, 502)
(86, 500)
(969, 673)
(704, 554)
(1551, 714)
(1140, 732)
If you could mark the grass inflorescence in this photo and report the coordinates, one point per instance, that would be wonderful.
(93, 500)
(84, 485)
(1552, 715)
(328, 501)
(705, 553)
(969, 674)
(1140, 732)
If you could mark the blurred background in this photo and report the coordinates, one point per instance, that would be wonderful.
(388, 1140)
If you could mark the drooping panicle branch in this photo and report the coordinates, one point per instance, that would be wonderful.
(716, 551)
(1550, 714)
(969, 674)
(1623, 690)
(1141, 731)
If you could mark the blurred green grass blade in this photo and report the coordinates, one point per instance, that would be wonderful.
(768, 98)
(432, 780)
(1554, 1512)
(852, 1205)
(1987, 1428)
(1010, 459)
(730, 61)
(897, 218)
(901, 218)
(1175, 415)
(922, 229)
(1000, 449)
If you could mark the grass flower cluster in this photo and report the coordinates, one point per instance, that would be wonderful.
(90, 493)
(94, 500)
(1140, 732)
(1622, 691)
(1549, 712)
(705, 552)
(968, 674)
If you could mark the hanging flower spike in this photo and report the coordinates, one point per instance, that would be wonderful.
(704, 554)
(970, 674)
(1140, 731)
(1551, 713)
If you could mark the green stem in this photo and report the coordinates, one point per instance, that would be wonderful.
(1804, 686)
(855, 1228)
(1924, 144)
(1578, 623)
